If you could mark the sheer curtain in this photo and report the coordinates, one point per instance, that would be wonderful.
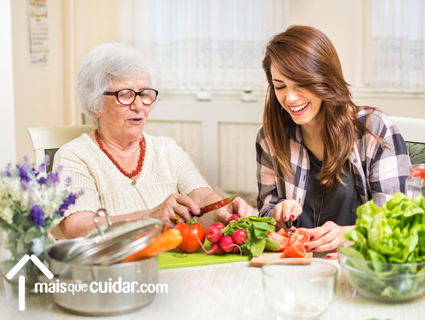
(211, 44)
(398, 44)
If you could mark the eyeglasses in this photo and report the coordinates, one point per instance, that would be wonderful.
(127, 96)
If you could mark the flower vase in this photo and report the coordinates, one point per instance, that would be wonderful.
(14, 247)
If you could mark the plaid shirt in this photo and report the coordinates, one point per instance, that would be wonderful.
(378, 172)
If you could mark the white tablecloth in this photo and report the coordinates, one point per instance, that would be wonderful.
(222, 291)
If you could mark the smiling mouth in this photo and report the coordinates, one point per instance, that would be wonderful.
(299, 107)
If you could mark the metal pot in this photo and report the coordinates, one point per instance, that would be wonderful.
(96, 303)
(92, 268)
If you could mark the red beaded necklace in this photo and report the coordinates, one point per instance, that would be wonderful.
(139, 163)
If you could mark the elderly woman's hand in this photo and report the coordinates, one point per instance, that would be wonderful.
(175, 204)
(237, 206)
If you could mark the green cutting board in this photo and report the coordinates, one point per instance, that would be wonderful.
(177, 259)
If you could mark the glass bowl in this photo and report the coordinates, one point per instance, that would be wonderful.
(299, 288)
(383, 281)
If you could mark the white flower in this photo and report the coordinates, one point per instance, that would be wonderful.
(15, 190)
(7, 215)
(37, 246)
(24, 201)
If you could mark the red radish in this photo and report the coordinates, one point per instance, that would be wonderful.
(233, 217)
(213, 234)
(239, 236)
(215, 248)
(226, 243)
(236, 249)
(218, 225)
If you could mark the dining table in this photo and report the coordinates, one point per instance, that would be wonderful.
(219, 291)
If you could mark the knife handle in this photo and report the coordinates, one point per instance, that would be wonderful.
(197, 216)
(289, 224)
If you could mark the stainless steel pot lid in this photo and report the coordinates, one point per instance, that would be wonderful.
(112, 243)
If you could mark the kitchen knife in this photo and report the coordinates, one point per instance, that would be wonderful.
(216, 205)
(208, 208)
(289, 227)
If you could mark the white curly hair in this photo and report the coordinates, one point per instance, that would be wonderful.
(103, 65)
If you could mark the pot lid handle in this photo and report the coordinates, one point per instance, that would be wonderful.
(108, 217)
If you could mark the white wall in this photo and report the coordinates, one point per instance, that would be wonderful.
(44, 95)
(7, 107)
(39, 90)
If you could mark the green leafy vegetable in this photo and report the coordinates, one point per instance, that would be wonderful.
(384, 238)
(256, 229)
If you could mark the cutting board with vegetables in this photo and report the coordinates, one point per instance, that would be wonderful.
(252, 235)
(177, 259)
(270, 256)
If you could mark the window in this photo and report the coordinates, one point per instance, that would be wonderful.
(217, 45)
(398, 44)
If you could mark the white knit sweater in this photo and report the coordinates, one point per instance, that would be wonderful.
(166, 169)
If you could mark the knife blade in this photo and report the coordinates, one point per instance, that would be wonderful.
(216, 205)
(289, 227)
(207, 208)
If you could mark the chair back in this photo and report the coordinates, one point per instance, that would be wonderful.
(47, 140)
(413, 132)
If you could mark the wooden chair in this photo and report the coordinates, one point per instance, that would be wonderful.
(47, 140)
(413, 132)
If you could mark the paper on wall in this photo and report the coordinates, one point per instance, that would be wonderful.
(38, 32)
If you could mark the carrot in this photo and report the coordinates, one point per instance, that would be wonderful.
(167, 241)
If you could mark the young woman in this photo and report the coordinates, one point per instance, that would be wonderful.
(319, 155)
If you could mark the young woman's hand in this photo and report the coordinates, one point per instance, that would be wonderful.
(286, 210)
(326, 238)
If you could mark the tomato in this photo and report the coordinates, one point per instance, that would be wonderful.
(191, 232)
(283, 233)
(295, 250)
(299, 235)
(282, 240)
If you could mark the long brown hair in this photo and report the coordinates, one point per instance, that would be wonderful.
(306, 56)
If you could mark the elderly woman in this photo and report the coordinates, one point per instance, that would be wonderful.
(119, 166)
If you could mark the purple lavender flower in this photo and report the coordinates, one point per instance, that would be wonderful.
(52, 179)
(25, 185)
(68, 181)
(8, 168)
(23, 174)
(43, 166)
(36, 216)
(41, 181)
(68, 202)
